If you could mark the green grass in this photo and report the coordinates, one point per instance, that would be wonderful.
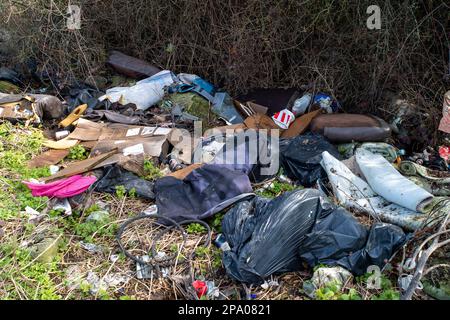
(18, 145)
(32, 280)
(22, 277)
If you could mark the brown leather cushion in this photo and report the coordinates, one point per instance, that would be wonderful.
(342, 120)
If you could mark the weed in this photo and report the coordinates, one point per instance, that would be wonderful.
(151, 172)
(18, 145)
(31, 279)
(386, 291)
(132, 193)
(276, 188)
(333, 291)
(202, 252)
(77, 152)
(216, 258)
(87, 229)
(195, 228)
(121, 192)
(216, 221)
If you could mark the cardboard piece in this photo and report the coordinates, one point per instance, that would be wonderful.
(86, 130)
(260, 121)
(153, 146)
(257, 108)
(250, 108)
(48, 158)
(88, 144)
(18, 107)
(183, 173)
(300, 124)
(117, 131)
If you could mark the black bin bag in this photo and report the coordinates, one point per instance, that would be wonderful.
(300, 157)
(274, 236)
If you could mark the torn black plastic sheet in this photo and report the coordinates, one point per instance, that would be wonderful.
(269, 237)
(300, 157)
(114, 176)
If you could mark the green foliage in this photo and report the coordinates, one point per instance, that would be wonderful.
(33, 278)
(18, 145)
(93, 208)
(276, 188)
(333, 291)
(216, 258)
(103, 294)
(132, 193)
(202, 252)
(151, 172)
(87, 229)
(195, 228)
(351, 295)
(387, 290)
(77, 152)
(127, 298)
(216, 221)
(121, 192)
(55, 213)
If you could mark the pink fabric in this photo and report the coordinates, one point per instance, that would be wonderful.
(63, 188)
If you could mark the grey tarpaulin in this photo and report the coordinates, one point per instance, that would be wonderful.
(300, 157)
(115, 176)
(274, 236)
(205, 191)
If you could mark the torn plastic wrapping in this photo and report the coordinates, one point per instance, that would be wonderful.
(300, 157)
(273, 236)
(114, 176)
(144, 93)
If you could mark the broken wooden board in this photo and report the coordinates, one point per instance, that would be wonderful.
(79, 167)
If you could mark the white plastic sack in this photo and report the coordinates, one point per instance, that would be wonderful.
(144, 93)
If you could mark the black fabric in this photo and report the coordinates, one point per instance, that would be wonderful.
(202, 193)
(273, 236)
(300, 157)
(116, 176)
